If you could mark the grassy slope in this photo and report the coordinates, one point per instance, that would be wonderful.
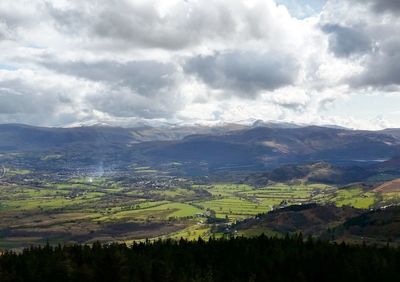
(99, 203)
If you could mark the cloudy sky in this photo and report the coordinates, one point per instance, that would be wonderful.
(121, 62)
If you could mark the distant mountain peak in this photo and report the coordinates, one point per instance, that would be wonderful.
(275, 124)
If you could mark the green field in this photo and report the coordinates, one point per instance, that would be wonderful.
(84, 209)
(241, 201)
(355, 197)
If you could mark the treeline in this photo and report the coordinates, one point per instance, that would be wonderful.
(236, 259)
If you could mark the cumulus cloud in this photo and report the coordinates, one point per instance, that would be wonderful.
(345, 41)
(28, 97)
(65, 62)
(381, 71)
(383, 5)
(244, 73)
(372, 35)
(147, 78)
(170, 25)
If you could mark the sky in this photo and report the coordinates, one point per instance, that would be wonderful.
(129, 62)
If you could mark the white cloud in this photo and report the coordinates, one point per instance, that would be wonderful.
(65, 62)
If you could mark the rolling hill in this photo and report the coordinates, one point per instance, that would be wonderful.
(19, 137)
(389, 187)
(378, 225)
(228, 147)
(308, 219)
(273, 147)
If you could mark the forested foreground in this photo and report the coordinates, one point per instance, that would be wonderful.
(238, 259)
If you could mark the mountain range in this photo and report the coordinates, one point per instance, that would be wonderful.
(228, 147)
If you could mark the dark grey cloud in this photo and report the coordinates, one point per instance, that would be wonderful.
(140, 26)
(293, 106)
(40, 104)
(383, 5)
(16, 96)
(12, 102)
(244, 73)
(5, 30)
(130, 24)
(68, 21)
(346, 41)
(146, 89)
(124, 24)
(381, 69)
(13, 20)
(22, 102)
(367, 38)
(146, 78)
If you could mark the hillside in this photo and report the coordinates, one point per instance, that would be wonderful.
(272, 147)
(382, 225)
(389, 187)
(19, 137)
(310, 219)
(319, 172)
(328, 222)
(203, 149)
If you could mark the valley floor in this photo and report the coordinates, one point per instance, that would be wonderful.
(145, 205)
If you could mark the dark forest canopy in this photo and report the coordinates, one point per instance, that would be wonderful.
(236, 259)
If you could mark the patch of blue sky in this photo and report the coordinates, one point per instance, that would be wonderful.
(7, 67)
(368, 107)
(303, 8)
